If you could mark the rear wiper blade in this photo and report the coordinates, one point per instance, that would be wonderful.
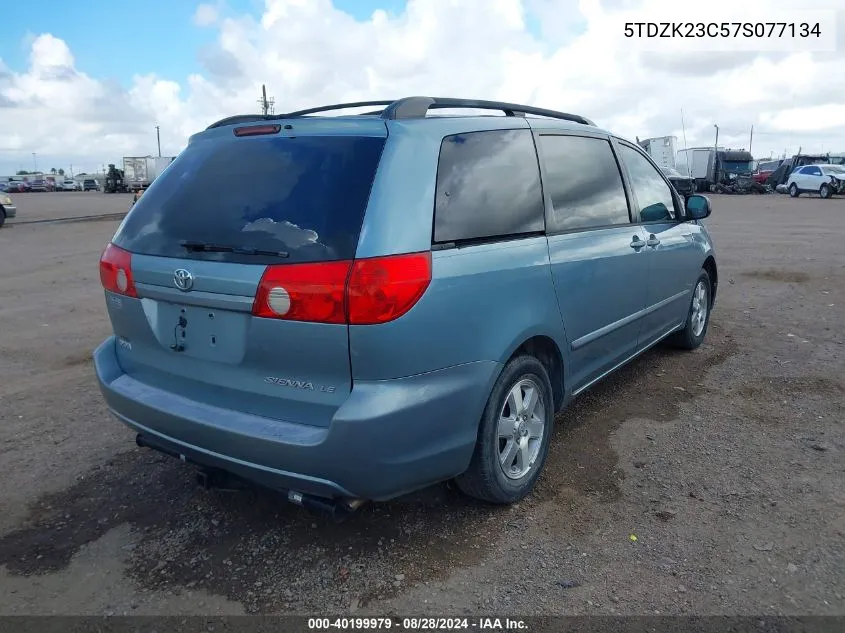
(207, 247)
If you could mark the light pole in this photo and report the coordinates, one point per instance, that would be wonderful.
(158, 139)
(716, 146)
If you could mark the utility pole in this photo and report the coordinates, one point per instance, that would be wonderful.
(716, 146)
(751, 138)
(267, 105)
(158, 139)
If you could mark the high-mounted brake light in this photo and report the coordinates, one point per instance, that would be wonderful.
(116, 271)
(361, 292)
(257, 130)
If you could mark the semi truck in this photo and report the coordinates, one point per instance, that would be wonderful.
(140, 171)
(711, 166)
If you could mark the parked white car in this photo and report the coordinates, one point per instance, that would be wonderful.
(70, 185)
(824, 180)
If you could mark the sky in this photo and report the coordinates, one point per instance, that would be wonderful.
(80, 89)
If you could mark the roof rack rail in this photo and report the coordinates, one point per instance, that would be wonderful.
(336, 106)
(411, 108)
(250, 118)
(417, 107)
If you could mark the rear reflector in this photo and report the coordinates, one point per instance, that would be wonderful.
(257, 130)
(363, 292)
(116, 271)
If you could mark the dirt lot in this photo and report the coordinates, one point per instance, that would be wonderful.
(40, 207)
(710, 482)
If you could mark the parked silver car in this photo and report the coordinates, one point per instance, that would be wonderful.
(7, 208)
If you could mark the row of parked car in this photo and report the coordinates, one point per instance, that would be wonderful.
(40, 185)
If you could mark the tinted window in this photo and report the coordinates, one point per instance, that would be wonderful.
(814, 171)
(488, 185)
(654, 196)
(305, 196)
(584, 183)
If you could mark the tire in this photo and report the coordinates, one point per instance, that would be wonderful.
(486, 478)
(793, 190)
(824, 191)
(695, 328)
(2, 217)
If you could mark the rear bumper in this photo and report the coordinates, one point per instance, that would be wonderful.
(389, 437)
(10, 210)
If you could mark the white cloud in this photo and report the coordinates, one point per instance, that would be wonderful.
(206, 15)
(562, 54)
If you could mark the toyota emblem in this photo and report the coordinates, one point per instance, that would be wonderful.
(183, 279)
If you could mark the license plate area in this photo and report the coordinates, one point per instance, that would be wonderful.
(203, 333)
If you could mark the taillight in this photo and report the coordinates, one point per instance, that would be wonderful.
(363, 292)
(116, 271)
(382, 289)
(303, 292)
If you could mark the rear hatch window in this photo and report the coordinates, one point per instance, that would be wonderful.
(303, 197)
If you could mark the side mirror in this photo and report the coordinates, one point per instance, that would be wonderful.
(698, 207)
(655, 213)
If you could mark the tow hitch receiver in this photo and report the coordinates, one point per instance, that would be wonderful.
(210, 478)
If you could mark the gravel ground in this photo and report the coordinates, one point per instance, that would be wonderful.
(710, 482)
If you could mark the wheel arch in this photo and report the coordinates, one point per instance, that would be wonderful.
(545, 349)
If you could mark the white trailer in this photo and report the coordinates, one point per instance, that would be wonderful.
(661, 149)
(140, 171)
(698, 163)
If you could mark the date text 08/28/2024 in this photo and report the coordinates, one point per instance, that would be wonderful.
(417, 624)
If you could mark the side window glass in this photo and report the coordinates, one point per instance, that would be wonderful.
(654, 195)
(815, 171)
(488, 185)
(584, 183)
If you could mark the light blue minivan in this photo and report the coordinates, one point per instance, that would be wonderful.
(397, 298)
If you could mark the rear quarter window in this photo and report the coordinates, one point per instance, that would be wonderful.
(488, 186)
(303, 195)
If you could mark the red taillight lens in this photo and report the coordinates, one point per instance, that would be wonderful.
(382, 289)
(116, 271)
(303, 292)
(363, 292)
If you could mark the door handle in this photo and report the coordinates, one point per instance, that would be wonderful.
(653, 241)
(637, 243)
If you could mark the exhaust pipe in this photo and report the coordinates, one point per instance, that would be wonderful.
(337, 509)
